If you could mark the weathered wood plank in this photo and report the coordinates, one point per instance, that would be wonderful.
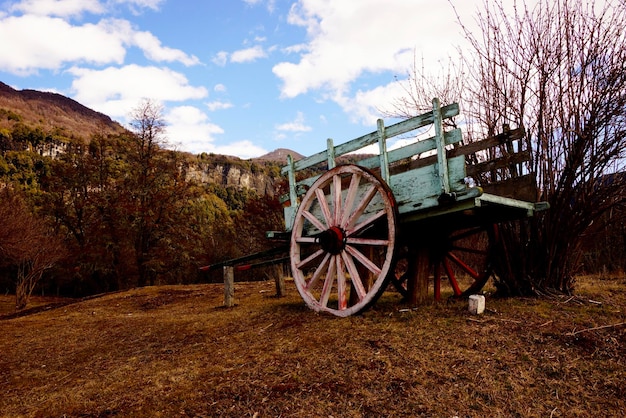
(229, 286)
(419, 189)
(372, 137)
(492, 141)
(522, 188)
(498, 163)
(416, 148)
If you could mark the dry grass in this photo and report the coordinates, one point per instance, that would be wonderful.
(173, 351)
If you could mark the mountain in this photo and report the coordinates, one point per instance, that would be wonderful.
(279, 156)
(54, 111)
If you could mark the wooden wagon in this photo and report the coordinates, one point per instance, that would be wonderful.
(413, 215)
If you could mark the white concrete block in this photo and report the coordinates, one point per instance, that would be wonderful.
(477, 304)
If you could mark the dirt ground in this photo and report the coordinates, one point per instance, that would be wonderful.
(175, 351)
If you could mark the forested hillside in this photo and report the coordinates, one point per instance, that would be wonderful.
(102, 208)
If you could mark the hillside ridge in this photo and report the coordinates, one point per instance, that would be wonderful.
(50, 111)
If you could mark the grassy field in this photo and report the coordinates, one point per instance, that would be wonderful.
(174, 351)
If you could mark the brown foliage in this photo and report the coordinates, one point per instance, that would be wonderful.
(26, 244)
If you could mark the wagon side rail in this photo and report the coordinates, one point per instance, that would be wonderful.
(435, 175)
(437, 182)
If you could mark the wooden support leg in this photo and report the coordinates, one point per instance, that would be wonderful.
(417, 275)
(279, 279)
(229, 286)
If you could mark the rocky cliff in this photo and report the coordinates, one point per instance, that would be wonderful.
(228, 174)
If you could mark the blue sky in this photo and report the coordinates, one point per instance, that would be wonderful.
(235, 77)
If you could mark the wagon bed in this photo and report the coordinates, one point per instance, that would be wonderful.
(349, 226)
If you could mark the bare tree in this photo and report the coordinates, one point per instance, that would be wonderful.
(421, 85)
(26, 245)
(557, 68)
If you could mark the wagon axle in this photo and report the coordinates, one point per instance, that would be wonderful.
(332, 240)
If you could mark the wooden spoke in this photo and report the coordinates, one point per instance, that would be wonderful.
(367, 241)
(460, 261)
(329, 254)
(468, 250)
(363, 259)
(466, 268)
(351, 195)
(451, 278)
(310, 258)
(328, 282)
(336, 200)
(354, 275)
(369, 221)
(318, 272)
(325, 210)
(303, 240)
(311, 218)
(341, 284)
(365, 201)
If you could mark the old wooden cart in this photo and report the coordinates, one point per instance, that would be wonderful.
(406, 215)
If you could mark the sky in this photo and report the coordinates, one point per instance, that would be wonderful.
(234, 77)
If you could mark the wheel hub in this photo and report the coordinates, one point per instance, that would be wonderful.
(333, 240)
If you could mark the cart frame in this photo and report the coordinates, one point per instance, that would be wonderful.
(338, 244)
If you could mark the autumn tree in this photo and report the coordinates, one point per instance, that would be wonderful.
(558, 69)
(27, 245)
(82, 198)
(156, 193)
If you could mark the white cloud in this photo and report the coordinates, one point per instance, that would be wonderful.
(116, 91)
(348, 41)
(219, 88)
(64, 8)
(248, 54)
(219, 105)
(242, 149)
(137, 5)
(190, 129)
(76, 8)
(365, 106)
(63, 43)
(271, 4)
(221, 58)
(28, 51)
(154, 51)
(297, 125)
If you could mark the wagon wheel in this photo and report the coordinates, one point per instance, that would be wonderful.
(343, 240)
(460, 262)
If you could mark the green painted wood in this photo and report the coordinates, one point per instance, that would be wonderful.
(419, 189)
(442, 159)
(382, 151)
(423, 146)
(415, 149)
(372, 137)
(291, 175)
(438, 169)
(457, 174)
(330, 150)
